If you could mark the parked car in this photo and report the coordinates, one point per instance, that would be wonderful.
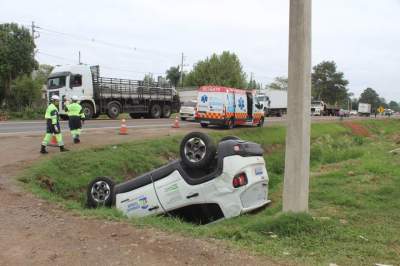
(188, 110)
(353, 112)
(208, 183)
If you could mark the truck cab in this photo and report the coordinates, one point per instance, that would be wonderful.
(318, 108)
(66, 81)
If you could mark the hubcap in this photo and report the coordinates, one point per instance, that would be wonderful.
(195, 150)
(100, 191)
(114, 110)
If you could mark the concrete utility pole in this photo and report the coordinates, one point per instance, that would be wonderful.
(181, 77)
(297, 156)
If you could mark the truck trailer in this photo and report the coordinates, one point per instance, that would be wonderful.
(274, 101)
(364, 109)
(111, 96)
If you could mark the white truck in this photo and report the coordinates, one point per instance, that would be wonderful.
(274, 102)
(111, 96)
(364, 109)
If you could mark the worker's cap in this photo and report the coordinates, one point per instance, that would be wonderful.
(55, 98)
(74, 98)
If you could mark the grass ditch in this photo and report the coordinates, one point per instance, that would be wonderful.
(354, 214)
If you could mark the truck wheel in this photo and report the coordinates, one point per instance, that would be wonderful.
(87, 109)
(203, 125)
(197, 150)
(135, 115)
(100, 192)
(166, 111)
(183, 118)
(113, 110)
(155, 111)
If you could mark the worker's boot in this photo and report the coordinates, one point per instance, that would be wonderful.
(43, 150)
(77, 140)
(62, 149)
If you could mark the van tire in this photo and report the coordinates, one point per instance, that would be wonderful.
(100, 192)
(230, 124)
(261, 123)
(197, 150)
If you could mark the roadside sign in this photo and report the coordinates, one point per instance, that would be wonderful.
(381, 109)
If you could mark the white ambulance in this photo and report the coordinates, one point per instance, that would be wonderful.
(228, 107)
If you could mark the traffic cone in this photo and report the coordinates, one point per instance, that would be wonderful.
(53, 141)
(123, 130)
(176, 123)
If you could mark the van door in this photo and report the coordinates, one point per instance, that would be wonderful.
(174, 192)
(240, 106)
(139, 202)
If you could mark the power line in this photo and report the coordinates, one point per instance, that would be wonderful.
(102, 42)
(102, 66)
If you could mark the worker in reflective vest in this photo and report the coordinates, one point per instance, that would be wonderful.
(76, 117)
(53, 125)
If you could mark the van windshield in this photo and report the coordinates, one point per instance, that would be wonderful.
(56, 82)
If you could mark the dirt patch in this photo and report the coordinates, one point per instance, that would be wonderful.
(357, 129)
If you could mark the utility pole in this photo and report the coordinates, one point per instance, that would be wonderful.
(181, 77)
(297, 156)
(79, 58)
(34, 35)
(33, 30)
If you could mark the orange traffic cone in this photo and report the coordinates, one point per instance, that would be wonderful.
(176, 123)
(53, 141)
(123, 130)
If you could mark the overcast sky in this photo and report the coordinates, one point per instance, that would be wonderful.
(130, 37)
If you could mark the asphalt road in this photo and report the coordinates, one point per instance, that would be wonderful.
(21, 127)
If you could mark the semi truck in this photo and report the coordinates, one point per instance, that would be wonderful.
(274, 101)
(320, 108)
(111, 96)
(364, 109)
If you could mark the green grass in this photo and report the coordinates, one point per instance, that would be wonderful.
(354, 214)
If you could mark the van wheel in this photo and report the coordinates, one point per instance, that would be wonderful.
(100, 192)
(230, 124)
(113, 110)
(197, 150)
(166, 111)
(261, 123)
(155, 111)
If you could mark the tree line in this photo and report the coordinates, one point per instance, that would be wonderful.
(22, 77)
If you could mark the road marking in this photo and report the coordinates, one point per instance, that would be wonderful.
(96, 128)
